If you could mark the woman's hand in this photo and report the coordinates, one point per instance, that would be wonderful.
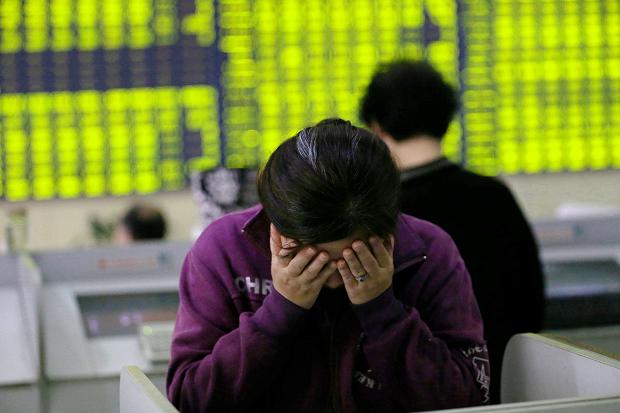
(367, 273)
(298, 273)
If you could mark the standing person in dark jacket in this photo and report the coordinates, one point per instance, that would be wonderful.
(325, 298)
(410, 107)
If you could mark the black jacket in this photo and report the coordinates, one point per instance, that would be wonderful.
(495, 241)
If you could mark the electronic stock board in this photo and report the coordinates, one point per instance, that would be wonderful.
(117, 97)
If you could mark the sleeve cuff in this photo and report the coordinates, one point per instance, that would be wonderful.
(379, 314)
(278, 316)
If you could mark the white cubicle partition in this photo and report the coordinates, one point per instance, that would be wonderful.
(576, 405)
(538, 367)
(19, 332)
(93, 302)
(549, 375)
(138, 394)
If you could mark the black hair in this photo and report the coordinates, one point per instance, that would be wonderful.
(144, 222)
(408, 98)
(329, 181)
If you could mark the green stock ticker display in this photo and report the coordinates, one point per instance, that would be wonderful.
(101, 97)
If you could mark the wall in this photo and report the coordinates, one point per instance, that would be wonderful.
(540, 195)
(64, 224)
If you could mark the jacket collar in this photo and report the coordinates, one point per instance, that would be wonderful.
(409, 245)
(256, 228)
(426, 169)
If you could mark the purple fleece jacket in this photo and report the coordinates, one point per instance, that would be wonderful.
(239, 346)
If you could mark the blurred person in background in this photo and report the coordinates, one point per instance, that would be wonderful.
(141, 222)
(410, 106)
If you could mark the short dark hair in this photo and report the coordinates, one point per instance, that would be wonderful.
(408, 98)
(144, 222)
(329, 181)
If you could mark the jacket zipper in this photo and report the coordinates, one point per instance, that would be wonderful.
(410, 263)
(333, 361)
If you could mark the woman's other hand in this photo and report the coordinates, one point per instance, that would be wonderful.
(367, 272)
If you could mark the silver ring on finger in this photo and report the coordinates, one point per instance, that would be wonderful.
(361, 277)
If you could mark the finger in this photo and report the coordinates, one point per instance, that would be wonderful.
(314, 268)
(278, 254)
(288, 246)
(289, 243)
(347, 277)
(325, 273)
(274, 240)
(287, 252)
(380, 251)
(365, 256)
(354, 264)
(301, 260)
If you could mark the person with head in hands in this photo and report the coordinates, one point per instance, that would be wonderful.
(324, 298)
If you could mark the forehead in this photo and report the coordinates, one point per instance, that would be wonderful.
(334, 248)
